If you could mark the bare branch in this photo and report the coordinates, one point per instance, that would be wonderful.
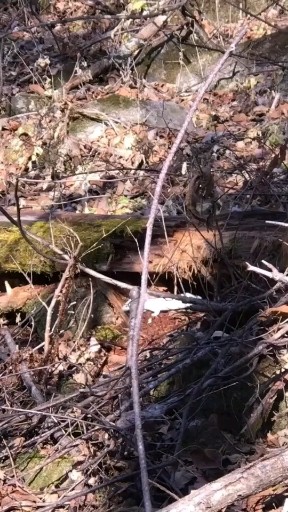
(239, 484)
(274, 274)
(70, 269)
(148, 239)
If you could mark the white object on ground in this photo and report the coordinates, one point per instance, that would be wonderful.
(158, 304)
(94, 345)
(285, 506)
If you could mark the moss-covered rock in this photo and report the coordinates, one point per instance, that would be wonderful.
(38, 477)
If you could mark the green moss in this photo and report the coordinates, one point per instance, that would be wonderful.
(82, 125)
(163, 390)
(46, 476)
(96, 238)
(43, 4)
(69, 386)
(107, 333)
(116, 101)
(275, 136)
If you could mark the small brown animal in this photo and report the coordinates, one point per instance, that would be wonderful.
(201, 189)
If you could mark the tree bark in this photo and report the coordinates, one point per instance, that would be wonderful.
(241, 483)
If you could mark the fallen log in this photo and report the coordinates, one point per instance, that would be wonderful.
(114, 243)
(240, 484)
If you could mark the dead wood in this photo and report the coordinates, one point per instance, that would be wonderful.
(25, 298)
(238, 485)
(188, 251)
(180, 245)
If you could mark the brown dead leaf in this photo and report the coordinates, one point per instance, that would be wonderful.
(150, 94)
(11, 496)
(259, 501)
(18, 442)
(220, 128)
(240, 144)
(101, 205)
(116, 140)
(19, 36)
(50, 497)
(127, 92)
(120, 188)
(37, 89)
(116, 360)
(276, 113)
(280, 439)
(280, 310)
(82, 378)
(13, 125)
(203, 119)
(240, 118)
(284, 109)
(272, 440)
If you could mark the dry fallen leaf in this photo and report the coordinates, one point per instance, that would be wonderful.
(37, 89)
(280, 310)
(240, 118)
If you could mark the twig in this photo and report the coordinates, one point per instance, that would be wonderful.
(131, 354)
(87, 311)
(132, 358)
(274, 274)
(275, 102)
(284, 224)
(152, 482)
(57, 294)
(36, 412)
(148, 239)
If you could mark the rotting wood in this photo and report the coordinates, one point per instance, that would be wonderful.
(187, 252)
(177, 246)
(25, 298)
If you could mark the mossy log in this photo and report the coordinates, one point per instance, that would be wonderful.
(63, 231)
(115, 242)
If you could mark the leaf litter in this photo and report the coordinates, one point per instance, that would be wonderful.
(115, 171)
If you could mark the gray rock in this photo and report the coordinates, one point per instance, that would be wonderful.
(86, 129)
(23, 103)
(119, 109)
